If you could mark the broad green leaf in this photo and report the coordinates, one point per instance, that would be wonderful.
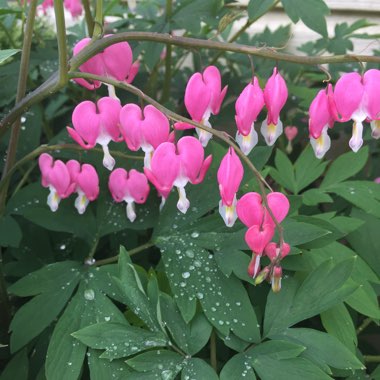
(296, 369)
(324, 287)
(323, 349)
(278, 349)
(193, 274)
(101, 369)
(17, 367)
(311, 12)
(257, 8)
(164, 362)
(10, 232)
(363, 194)
(51, 277)
(7, 53)
(313, 197)
(364, 300)
(307, 169)
(365, 240)
(119, 340)
(134, 293)
(89, 305)
(195, 368)
(297, 233)
(345, 166)
(284, 173)
(191, 337)
(337, 322)
(237, 368)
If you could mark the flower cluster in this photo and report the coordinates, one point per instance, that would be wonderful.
(354, 98)
(261, 230)
(73, 6)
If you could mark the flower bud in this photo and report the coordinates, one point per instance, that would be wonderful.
(262, 276)
(276, 279)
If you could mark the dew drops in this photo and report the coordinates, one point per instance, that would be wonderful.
(89, 294)
(190, 253)
(195, 234)
(185, 274)
(200, 296)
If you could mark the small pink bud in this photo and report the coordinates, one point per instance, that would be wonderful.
(276, 279)
(291, 132)
(377, 180)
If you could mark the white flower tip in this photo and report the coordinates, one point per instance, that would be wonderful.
(204, 137)
(81, 203)
(53, 200)
(356, 140)
(322, 144)
(228, 213)
(131, 214)
(271, 132)
(247, 143)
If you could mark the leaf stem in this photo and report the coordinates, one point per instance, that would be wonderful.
(88, 17)
(98, 22)
(61, 40)
(364, 325)
(372, 358)
(213, 360)
(131, 252)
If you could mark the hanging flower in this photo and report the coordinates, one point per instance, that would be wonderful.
(97, 123)
(275, 96)
(131, 187)
(203, 97)
(230, 175)
(248, 106)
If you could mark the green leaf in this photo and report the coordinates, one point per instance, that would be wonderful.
(323, 288)
(17, 368)
(133, 292)
(167, 363)
(89, 305)
(313, 197)
(323, 349)
(295, 369)
(119, 340)
(101, 369)
(10, 232)
(337, 322)
(345, 166)
(51, 277)
(365, 240)
(237, 368)
(307, 169)
(363, 194)
(311, 12)
(257, 8)
(284, 173)
(198, 369)
(7, 53)
(276, 349)
(297, 233)
(192, 337)
(364, 300)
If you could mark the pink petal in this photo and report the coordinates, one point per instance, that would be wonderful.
(197, 97)
(248, 106)
(86, 122)
(138, 186)
(109, 111)
(130, 120)
(202, 173)
(319, 114)
(348, 95)
(45, 162)
(230, 175)
(117, 59)
(291, 132)
(213, 80)
(257, 239)
(133, 71)
(371, 81)
(118, 184)
(275, 96)
(250, 210)
(155, 126)
(59, 178)
(180, 126)
(279, 205)
(88, 181)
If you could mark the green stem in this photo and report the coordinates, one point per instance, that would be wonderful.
(21, 89)
(220, 134)
(131, 252)
(88, 17)
(364, 325)
(168, 58)
(24, 178)
(372, 358)
(213, 360)
(98, 22)
(48, 148)
(50, 86)
(5, 307)
(61, 40)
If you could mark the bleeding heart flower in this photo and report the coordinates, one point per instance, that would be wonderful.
(230, 175)
(129, 187)
(171, 166)
(275, 96)
(114, 62)
(272, 250)
(203, 97)
(145, 129)
(248, 106)
(55, 176)
(322, 113)
(86, 182)
(74, 7)
(97, 124)
(290, 133)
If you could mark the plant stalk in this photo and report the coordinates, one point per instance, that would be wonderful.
(88, 17)
(168, 58)
(98, 22)
(213, 360)
(61, 40)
